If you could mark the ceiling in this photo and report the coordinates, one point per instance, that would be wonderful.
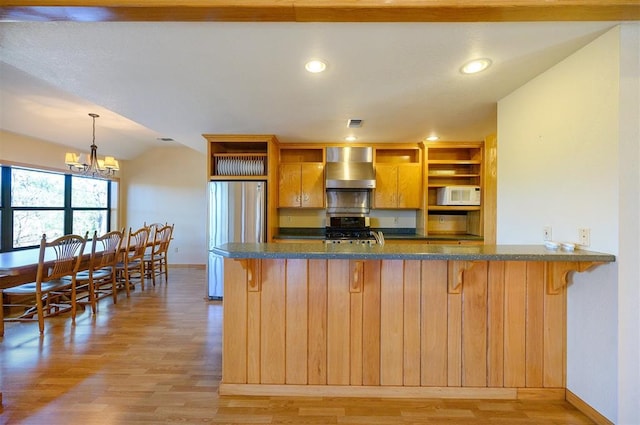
(179, 80)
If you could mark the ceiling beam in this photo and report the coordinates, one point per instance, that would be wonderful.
(319, 10)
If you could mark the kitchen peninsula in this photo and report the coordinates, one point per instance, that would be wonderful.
(397, 320)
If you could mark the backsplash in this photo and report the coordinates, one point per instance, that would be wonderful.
(294, 217)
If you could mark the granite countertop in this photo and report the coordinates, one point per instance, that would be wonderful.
(407, 252)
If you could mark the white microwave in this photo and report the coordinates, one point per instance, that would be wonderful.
(459, 195)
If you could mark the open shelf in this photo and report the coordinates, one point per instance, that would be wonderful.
(239, 164)
(291, 155)
(397, 156)
(453, 164)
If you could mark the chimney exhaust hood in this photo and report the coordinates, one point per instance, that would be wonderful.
(350, 168)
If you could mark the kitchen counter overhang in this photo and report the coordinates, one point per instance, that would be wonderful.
(407, 252)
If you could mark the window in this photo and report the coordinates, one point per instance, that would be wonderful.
(89, 203)
(34, 202)
(37, 201)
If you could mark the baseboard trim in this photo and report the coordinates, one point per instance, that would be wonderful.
(391, 392)
(584, 407)
(541, 393)
(187, 266)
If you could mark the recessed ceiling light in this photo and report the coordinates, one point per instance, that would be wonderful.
(432, 138)
(351, 138)
(475, 66)
(315, 66)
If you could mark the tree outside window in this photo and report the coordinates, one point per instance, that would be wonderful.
(37, 202)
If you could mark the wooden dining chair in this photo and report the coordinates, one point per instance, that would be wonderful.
(153, 227)
(99, 280)
(156, 260)
(130, 268)
(54, 291)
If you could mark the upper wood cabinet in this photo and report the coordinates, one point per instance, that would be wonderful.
(239, 157)
(301, 185)
(301, 178)
(398, 178)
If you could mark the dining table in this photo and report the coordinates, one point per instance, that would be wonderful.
(21, 266)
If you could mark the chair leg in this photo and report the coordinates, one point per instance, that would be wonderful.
(92, 294)
(114, 286)
(164, 264)
(153, 271)
(73, 303)
(125, 272)
(40, 309)
(142, 275)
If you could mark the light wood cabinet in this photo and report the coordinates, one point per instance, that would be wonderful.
(301, 185)
(398, 179)
(301, 177)
(239, 157)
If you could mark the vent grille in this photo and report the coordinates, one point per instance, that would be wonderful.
(354, 123)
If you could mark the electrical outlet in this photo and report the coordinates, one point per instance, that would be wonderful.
(546, 233)
(176, 249)
(584, 236)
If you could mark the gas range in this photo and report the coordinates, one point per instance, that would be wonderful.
(352, 230)
(351, 236)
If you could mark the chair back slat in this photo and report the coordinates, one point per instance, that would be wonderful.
(68, 251)
(137, 243)
(162, 239)
(153, 229)
(111, 244)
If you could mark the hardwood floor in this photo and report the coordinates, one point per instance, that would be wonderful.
(155, 358)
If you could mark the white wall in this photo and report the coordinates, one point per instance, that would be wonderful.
(169, 185)
(629, 229)
(25, 150)
(558, 142)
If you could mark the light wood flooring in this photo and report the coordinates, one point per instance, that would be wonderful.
(156, 359)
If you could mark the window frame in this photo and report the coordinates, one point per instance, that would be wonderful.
(7, 210)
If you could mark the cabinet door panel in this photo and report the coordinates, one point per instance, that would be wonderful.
(290, 185)
(386, 186)
(409, 185)
(312, 178)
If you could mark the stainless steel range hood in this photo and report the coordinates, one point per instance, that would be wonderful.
(350, 168)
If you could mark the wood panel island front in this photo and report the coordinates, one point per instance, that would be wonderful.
(397, 320)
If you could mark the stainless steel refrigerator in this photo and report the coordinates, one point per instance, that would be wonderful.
(237, 212)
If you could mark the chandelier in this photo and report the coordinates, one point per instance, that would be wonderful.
(90, 165)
